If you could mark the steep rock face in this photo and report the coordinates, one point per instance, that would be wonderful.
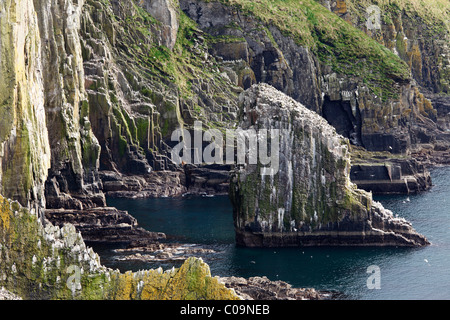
(114, 79)
(109, 83)
(141, 88)
(267, 54)
(73, 179)
(362, 89)
(46, 262)
(310, 200)
(24, 144)
(165, 11)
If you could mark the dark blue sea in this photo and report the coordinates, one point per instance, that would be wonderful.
(404, 273)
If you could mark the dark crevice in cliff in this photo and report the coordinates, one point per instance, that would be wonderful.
(339, 114)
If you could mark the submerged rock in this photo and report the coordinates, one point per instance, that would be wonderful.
(310, 200)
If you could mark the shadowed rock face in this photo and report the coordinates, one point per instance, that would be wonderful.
(310, 200)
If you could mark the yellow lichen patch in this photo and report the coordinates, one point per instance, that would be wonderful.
(154, 285)
(415, 58)
(5, 214)
(125, 289)
(193, 281)
(341, 7)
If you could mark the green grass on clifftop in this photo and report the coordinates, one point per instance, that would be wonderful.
(338, 44)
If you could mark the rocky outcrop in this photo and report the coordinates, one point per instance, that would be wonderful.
(383, 173)
(140, 91)
(45, 262)
(381, 112)
(310, 200)
(113, 86)
(163, 252)
(103, 225)
(261, 288)
(418, 34)
(377, 108)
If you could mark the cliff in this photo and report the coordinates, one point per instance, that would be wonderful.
(355, 79)
(24, 143)
(363, 89)
(91, 91)
(310, 200)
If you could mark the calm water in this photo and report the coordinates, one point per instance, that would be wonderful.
(406, 273)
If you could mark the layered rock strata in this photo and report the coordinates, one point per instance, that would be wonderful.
(380, 110)
(419, 33)
(103, 225)
(310, 200)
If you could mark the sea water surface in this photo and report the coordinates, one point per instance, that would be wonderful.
(405, 273)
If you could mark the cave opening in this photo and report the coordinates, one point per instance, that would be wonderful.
(346, 121)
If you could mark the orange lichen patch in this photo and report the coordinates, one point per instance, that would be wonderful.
(341, 7)
(424, 106)
(415, 59)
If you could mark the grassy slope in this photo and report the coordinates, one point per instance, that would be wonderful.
(348, 50)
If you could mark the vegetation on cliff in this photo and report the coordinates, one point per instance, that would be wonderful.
(417, 31)
(99, 85)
